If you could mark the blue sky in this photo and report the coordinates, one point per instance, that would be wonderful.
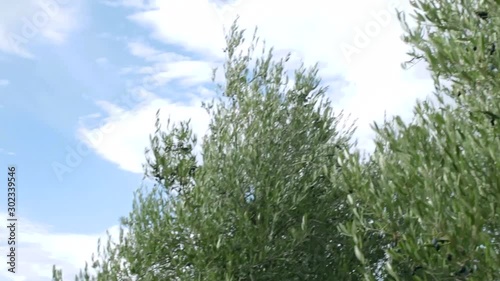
(78, 96)
(43, 103)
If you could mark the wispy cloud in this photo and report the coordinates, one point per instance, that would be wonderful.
(366, 83)
(4, 82)
(373, 83)
(142, 50)
(169, 66)
(40, 248)
(102, 61)
(138, 4)
(23, 21)
(3, 151)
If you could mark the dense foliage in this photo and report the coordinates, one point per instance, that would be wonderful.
(261, 205)
(282, 195)
(434, 188)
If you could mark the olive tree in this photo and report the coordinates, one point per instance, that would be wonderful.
(432, 187)
(264, 202)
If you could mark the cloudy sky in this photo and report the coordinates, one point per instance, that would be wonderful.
(81, 81)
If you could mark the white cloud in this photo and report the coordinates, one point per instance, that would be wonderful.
(22, 22)
(40, 248)
(373, 83)
(4, 82)
(102, 61)
(169, 66)
(188, 72)
(125, 133)
(142, 50)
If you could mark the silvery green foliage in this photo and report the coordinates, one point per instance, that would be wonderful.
(264, 204)
(432, 187)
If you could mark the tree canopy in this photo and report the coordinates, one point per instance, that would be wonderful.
(281, 193)
(434, 188)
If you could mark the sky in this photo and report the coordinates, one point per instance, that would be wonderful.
(81, 82)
